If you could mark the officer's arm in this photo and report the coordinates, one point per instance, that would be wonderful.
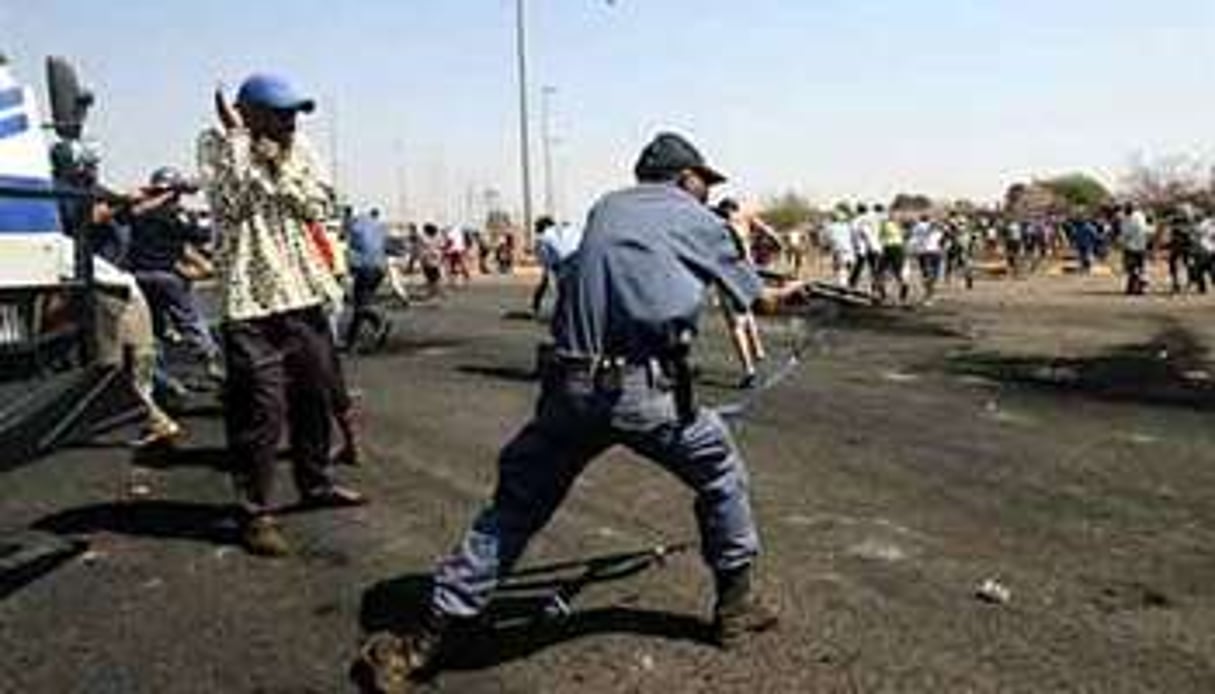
(709, 252)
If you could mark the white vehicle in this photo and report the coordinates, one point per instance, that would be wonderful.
(35, 253)
(31, 244)
(47, 401)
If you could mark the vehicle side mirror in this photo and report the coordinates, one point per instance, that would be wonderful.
(70, 101)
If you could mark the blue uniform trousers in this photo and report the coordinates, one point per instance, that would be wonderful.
(578, 417)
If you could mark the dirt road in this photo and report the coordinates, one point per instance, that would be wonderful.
(1047, 434)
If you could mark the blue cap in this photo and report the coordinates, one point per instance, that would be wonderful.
(273, 91)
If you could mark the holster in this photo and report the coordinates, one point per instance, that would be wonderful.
(677, 365)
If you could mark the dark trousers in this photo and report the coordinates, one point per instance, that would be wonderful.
(279, 374)
(1134, 264)
(1179, 260)
(871, 261)
(541, 290)
(366, 283)
(1201, 269)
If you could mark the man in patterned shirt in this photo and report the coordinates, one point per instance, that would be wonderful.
(265, 188)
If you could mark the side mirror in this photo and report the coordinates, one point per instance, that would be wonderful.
(70, 101)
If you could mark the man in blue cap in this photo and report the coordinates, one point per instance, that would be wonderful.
(265, 190)
(627, 302)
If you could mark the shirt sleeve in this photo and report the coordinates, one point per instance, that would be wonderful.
(224, 164)
(709, 251)
(305, 185)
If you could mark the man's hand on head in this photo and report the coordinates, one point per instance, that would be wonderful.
(229, 116)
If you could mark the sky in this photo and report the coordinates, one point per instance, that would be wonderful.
(833, 99)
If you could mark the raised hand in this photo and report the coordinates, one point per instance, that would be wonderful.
(229, 117)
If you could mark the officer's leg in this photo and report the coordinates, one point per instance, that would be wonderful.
(703, 456)
(535, 470)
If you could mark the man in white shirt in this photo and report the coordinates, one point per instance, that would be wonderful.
(1135, 235)
(555, 243)
(925, 243)
(867, 241)
(843, 251)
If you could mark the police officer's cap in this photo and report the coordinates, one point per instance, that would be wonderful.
(668, 154)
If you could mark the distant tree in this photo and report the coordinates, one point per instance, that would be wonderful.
(1024, 200)
(1166, 181)
(788, 211)
(911, 202)
(1076, 191)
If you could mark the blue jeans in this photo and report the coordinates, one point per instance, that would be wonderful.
(577, 419)
(171, 298)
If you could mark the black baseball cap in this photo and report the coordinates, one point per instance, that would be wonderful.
(668, 154)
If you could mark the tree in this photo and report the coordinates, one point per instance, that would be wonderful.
(1077, 192)
(911, 202)
(1166, 181)
(788, 211)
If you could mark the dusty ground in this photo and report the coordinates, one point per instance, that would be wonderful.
(1048, 434)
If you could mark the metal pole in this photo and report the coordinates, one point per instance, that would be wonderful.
(546, 94)
(524, 143)
(334, 175)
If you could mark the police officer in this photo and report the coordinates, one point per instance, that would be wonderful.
(626, 303)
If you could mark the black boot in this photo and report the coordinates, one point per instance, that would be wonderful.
(739, 610)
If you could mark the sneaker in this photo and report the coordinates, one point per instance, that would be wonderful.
(161, 432)
(264, 538)
(749, 381)
(333, 497)
(739, 610)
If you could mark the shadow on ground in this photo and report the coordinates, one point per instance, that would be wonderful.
(215, 458)
(1169, 369)
(520, 621)
(177, 520)
(408, 346)
(512, 374)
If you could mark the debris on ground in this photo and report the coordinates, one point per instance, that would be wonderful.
(994, 592)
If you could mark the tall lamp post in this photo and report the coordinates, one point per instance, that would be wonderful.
(546, 136)
(524, 140)
(525, 163)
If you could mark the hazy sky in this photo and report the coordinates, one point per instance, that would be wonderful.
(829, 97)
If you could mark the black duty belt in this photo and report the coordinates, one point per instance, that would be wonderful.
(605, 372)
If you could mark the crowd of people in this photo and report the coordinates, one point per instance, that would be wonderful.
(888, 249)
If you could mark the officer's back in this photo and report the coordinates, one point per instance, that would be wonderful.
(646, 256)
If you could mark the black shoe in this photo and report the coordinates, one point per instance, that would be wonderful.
(749, 381)
(739, 610)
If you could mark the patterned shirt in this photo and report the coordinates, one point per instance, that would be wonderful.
(267, 262)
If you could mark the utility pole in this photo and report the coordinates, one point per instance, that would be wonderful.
(525, 165)
(333, 147)
(402, 183)
(546, 96)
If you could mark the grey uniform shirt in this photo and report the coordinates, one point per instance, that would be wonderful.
(648, 253)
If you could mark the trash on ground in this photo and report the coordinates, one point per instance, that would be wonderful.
(994, 592)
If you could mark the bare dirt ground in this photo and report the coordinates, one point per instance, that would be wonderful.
(1049, 434)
